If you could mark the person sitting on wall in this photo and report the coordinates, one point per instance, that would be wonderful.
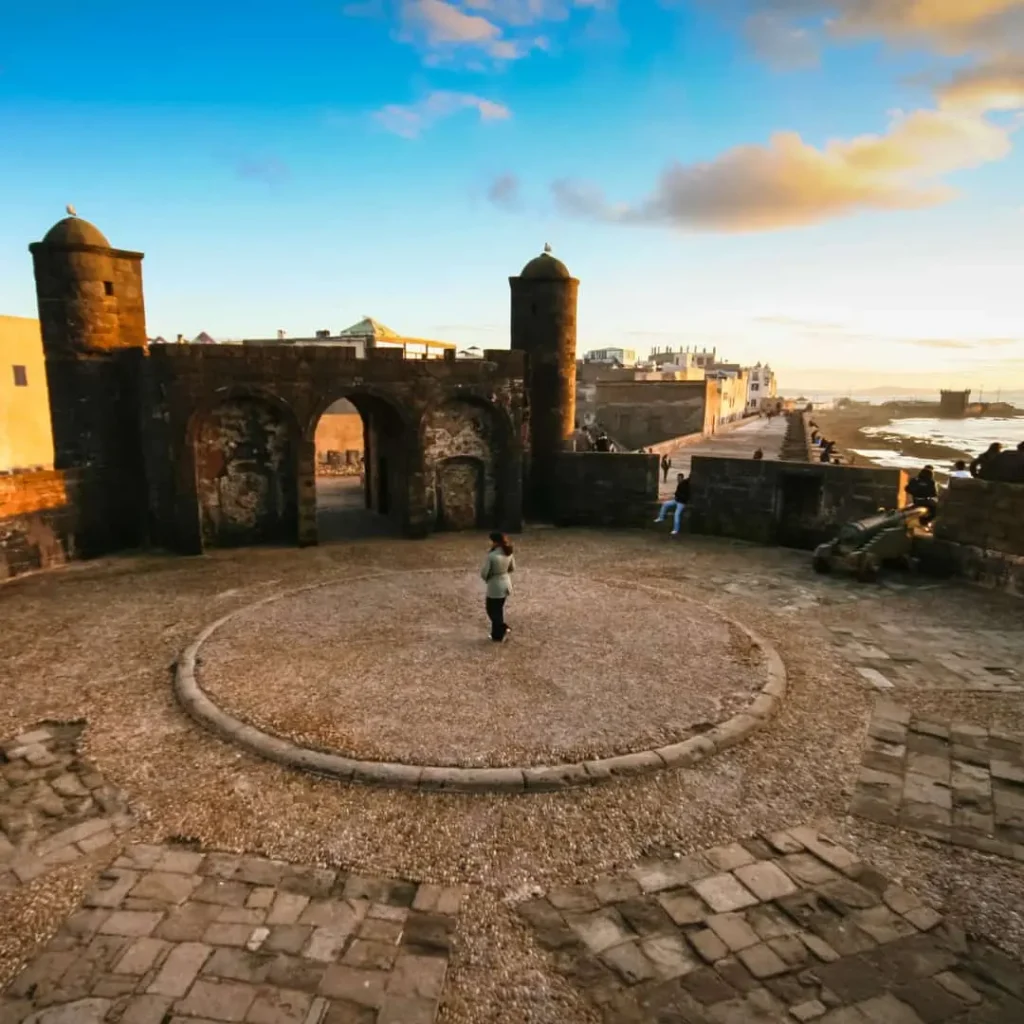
(676, 503)
(979, 464)
(603, 442)
(960, 470)
(826, 451)
(758, 455)
(924, 493)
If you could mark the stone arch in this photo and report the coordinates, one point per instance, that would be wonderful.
(390, 464)
(243, 443)
(466, 441)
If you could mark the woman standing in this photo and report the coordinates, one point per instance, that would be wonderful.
(495, 572)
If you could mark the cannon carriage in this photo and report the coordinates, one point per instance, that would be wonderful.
(863, 546)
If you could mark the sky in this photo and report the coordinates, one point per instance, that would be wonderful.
(835, 187)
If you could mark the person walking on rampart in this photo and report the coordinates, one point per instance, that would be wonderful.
(677, 503)
(666, 465)
(496, 572)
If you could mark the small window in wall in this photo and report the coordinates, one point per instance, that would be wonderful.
(108, 287)
(20, 377)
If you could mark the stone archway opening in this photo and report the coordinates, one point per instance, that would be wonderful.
(246, 476)
(362, 446)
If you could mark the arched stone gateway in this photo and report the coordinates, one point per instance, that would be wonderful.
(231, 441)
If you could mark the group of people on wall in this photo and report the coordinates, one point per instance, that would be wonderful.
(992, 464)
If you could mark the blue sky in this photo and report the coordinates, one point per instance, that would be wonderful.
(835, 186)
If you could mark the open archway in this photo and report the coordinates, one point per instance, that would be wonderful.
(246, 480)
(362, 466)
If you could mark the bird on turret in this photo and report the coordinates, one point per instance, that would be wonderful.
(71, 210)
(547, 247)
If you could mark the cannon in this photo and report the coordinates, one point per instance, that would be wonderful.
(863, 546)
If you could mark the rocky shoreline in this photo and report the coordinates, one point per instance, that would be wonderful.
(846, 427)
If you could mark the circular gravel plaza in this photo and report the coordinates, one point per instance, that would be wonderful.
(399, 668)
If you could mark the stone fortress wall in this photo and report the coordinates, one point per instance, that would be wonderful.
(188, 447)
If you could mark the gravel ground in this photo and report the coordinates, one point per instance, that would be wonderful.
(401, 668)
(98, 642)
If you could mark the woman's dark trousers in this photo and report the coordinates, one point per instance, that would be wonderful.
(496, 613)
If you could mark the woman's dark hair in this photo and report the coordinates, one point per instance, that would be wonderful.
(500, 540)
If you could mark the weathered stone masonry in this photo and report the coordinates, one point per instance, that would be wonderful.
(230, 438)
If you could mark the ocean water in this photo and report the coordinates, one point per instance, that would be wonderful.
(971, 436)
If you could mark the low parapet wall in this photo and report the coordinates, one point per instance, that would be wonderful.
(788, 503)
(796, 445)
(983, 514)
(605, 489)
(979, 535)
(50, 516)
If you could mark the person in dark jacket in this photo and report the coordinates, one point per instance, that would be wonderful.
(978, 465)
(666, 465)
(676, 503)
(924, 493)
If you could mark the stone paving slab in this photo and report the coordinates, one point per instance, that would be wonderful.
(953, 781)
(890, 656)
(54, 806)
(777, 928)
(173, 935)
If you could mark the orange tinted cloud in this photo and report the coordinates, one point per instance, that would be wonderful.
(789, 183)
(995, 86)
(410, 121)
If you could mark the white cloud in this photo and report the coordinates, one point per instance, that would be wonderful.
(411, 120)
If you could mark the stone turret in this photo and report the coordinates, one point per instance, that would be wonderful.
(544, 298)
(93, 322)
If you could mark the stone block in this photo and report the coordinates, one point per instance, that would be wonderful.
(164, 887)
(179, 970)
(708, 945)
(728, 858)
(765, 880)
(762, 961)
(723, 893)
(366, 988)
(280, 1006)
(629, 962)
(142, 954)
(131, 923)
(656, 876)
(683, 907)
(669, 955)
(733, 930)
(222, 1001)
(420, 977)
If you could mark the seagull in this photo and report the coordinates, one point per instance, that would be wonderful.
(71, 210)
(547, 247)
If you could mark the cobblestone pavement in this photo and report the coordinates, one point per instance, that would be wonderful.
(788, 926)
(124, 621)
(892, 654)
(54, 807)
(957, 782)
(171, 935)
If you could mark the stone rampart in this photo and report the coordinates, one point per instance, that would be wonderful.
(788, 503)
(605, 489)
(984, 514)
(48, 517)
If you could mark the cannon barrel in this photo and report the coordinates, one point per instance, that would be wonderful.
(858, 532)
